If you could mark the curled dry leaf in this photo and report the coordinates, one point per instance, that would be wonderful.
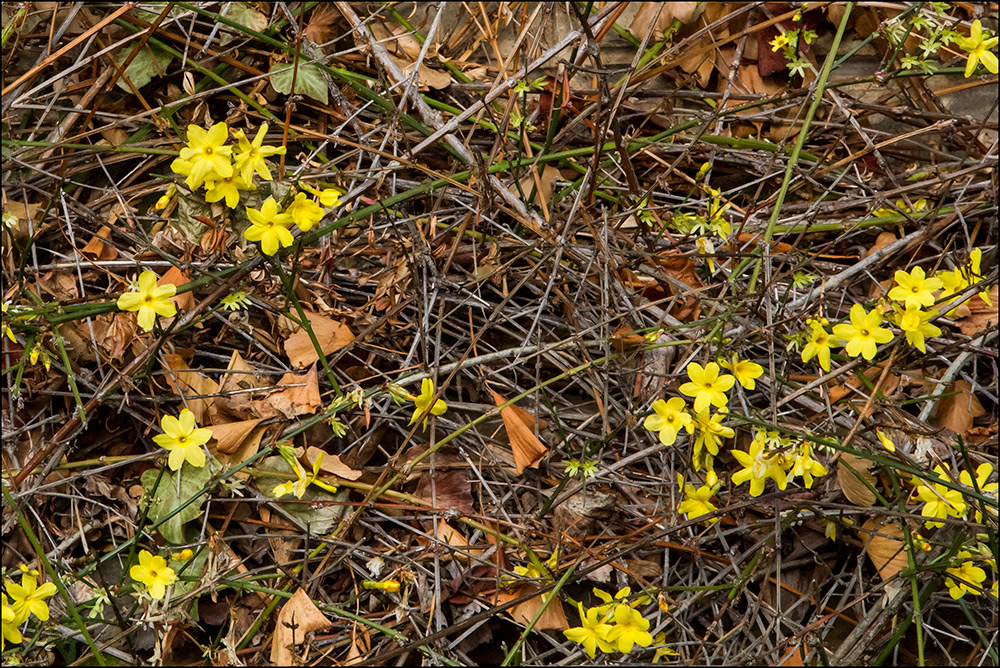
(331, 464)
(979, 315)
(523, 613)
(855, 490)
(959, 408)
(330, 334)
(886, 551)
(184, 301)
(300, 396)
(661, 16)
(96, 248)
(197, 388)
(520, 425)
(229, 436)
(298, 617)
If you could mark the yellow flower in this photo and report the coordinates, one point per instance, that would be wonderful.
(205, 155)
(779, 42)
(745, 371)
(250, 155)
(706, 386)
(758, 466)
(967, 577)
(697, 501)
(592, 632)
(662, 652)
(150, 300)
(6, 328)
(983, 473)
(10, 631)
(269, 227)
(819, 344)
(915, 288)
(668, 419)
(979, 49)
(304, 211)
(154, 573)
(424, 400)
(885, 441)
(226, 187)
(328, 197)
(183, 440)
(303, 480)
(939, 501)
(630, 629)
(916, 325)
(29, 598)
(710, 433)
(864, 333)
(805, 467)
(976, 274)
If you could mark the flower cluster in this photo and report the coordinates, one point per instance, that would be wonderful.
(705, 227)
(226, 171)
(27, 599)
(614, 626)
(302, 479)
(774, 457)
(788, 43)
(941, 502)
(910, 297)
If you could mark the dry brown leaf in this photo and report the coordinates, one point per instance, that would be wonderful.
(543, 187)
(361, 644)
(855, 490)
(282, 536)
(450, 490)
(97, 249)
(663, 13)
(887, 552)
(191, 384)
(957, 410)
(320, 27)
(978, 314)
(523, 613)
(332, 465)
(236, 403)
(295, 401)
(881, 242)
(60, 284)
(175, 276)
(330, 334)
(298, 617)
(231, 435)
(428, 77)
(520, 425)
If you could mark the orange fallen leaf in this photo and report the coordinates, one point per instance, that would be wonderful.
(520, 425)
(193, 385)
(231, 435)
(979, 315)
(175, 276)
(330, 334)
(957, 410)
(298, 617)
(332, 464)
(887, 552)
(300, 396)
(97, 249)
(854, 489)
(553, 618)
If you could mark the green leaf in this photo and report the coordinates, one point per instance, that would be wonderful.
(171, 494)
(241, 13)
(310, 81)
(150, 62)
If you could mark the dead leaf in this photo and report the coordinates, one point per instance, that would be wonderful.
(60, 284)
(663, 13)
(231, 435)
(539, 186)
(96, 248)
(855, 490)
(298, 617)
(520, 425)
(193, 385)
(979, 315)
(235, 402)
(957, 411)
(623, 338)
(320, 28)
(523, 613)
(428, 77)
(301, 400)
(174, 276)
(332, 464)
(330, 334)
(881, 242)
(887, 552)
